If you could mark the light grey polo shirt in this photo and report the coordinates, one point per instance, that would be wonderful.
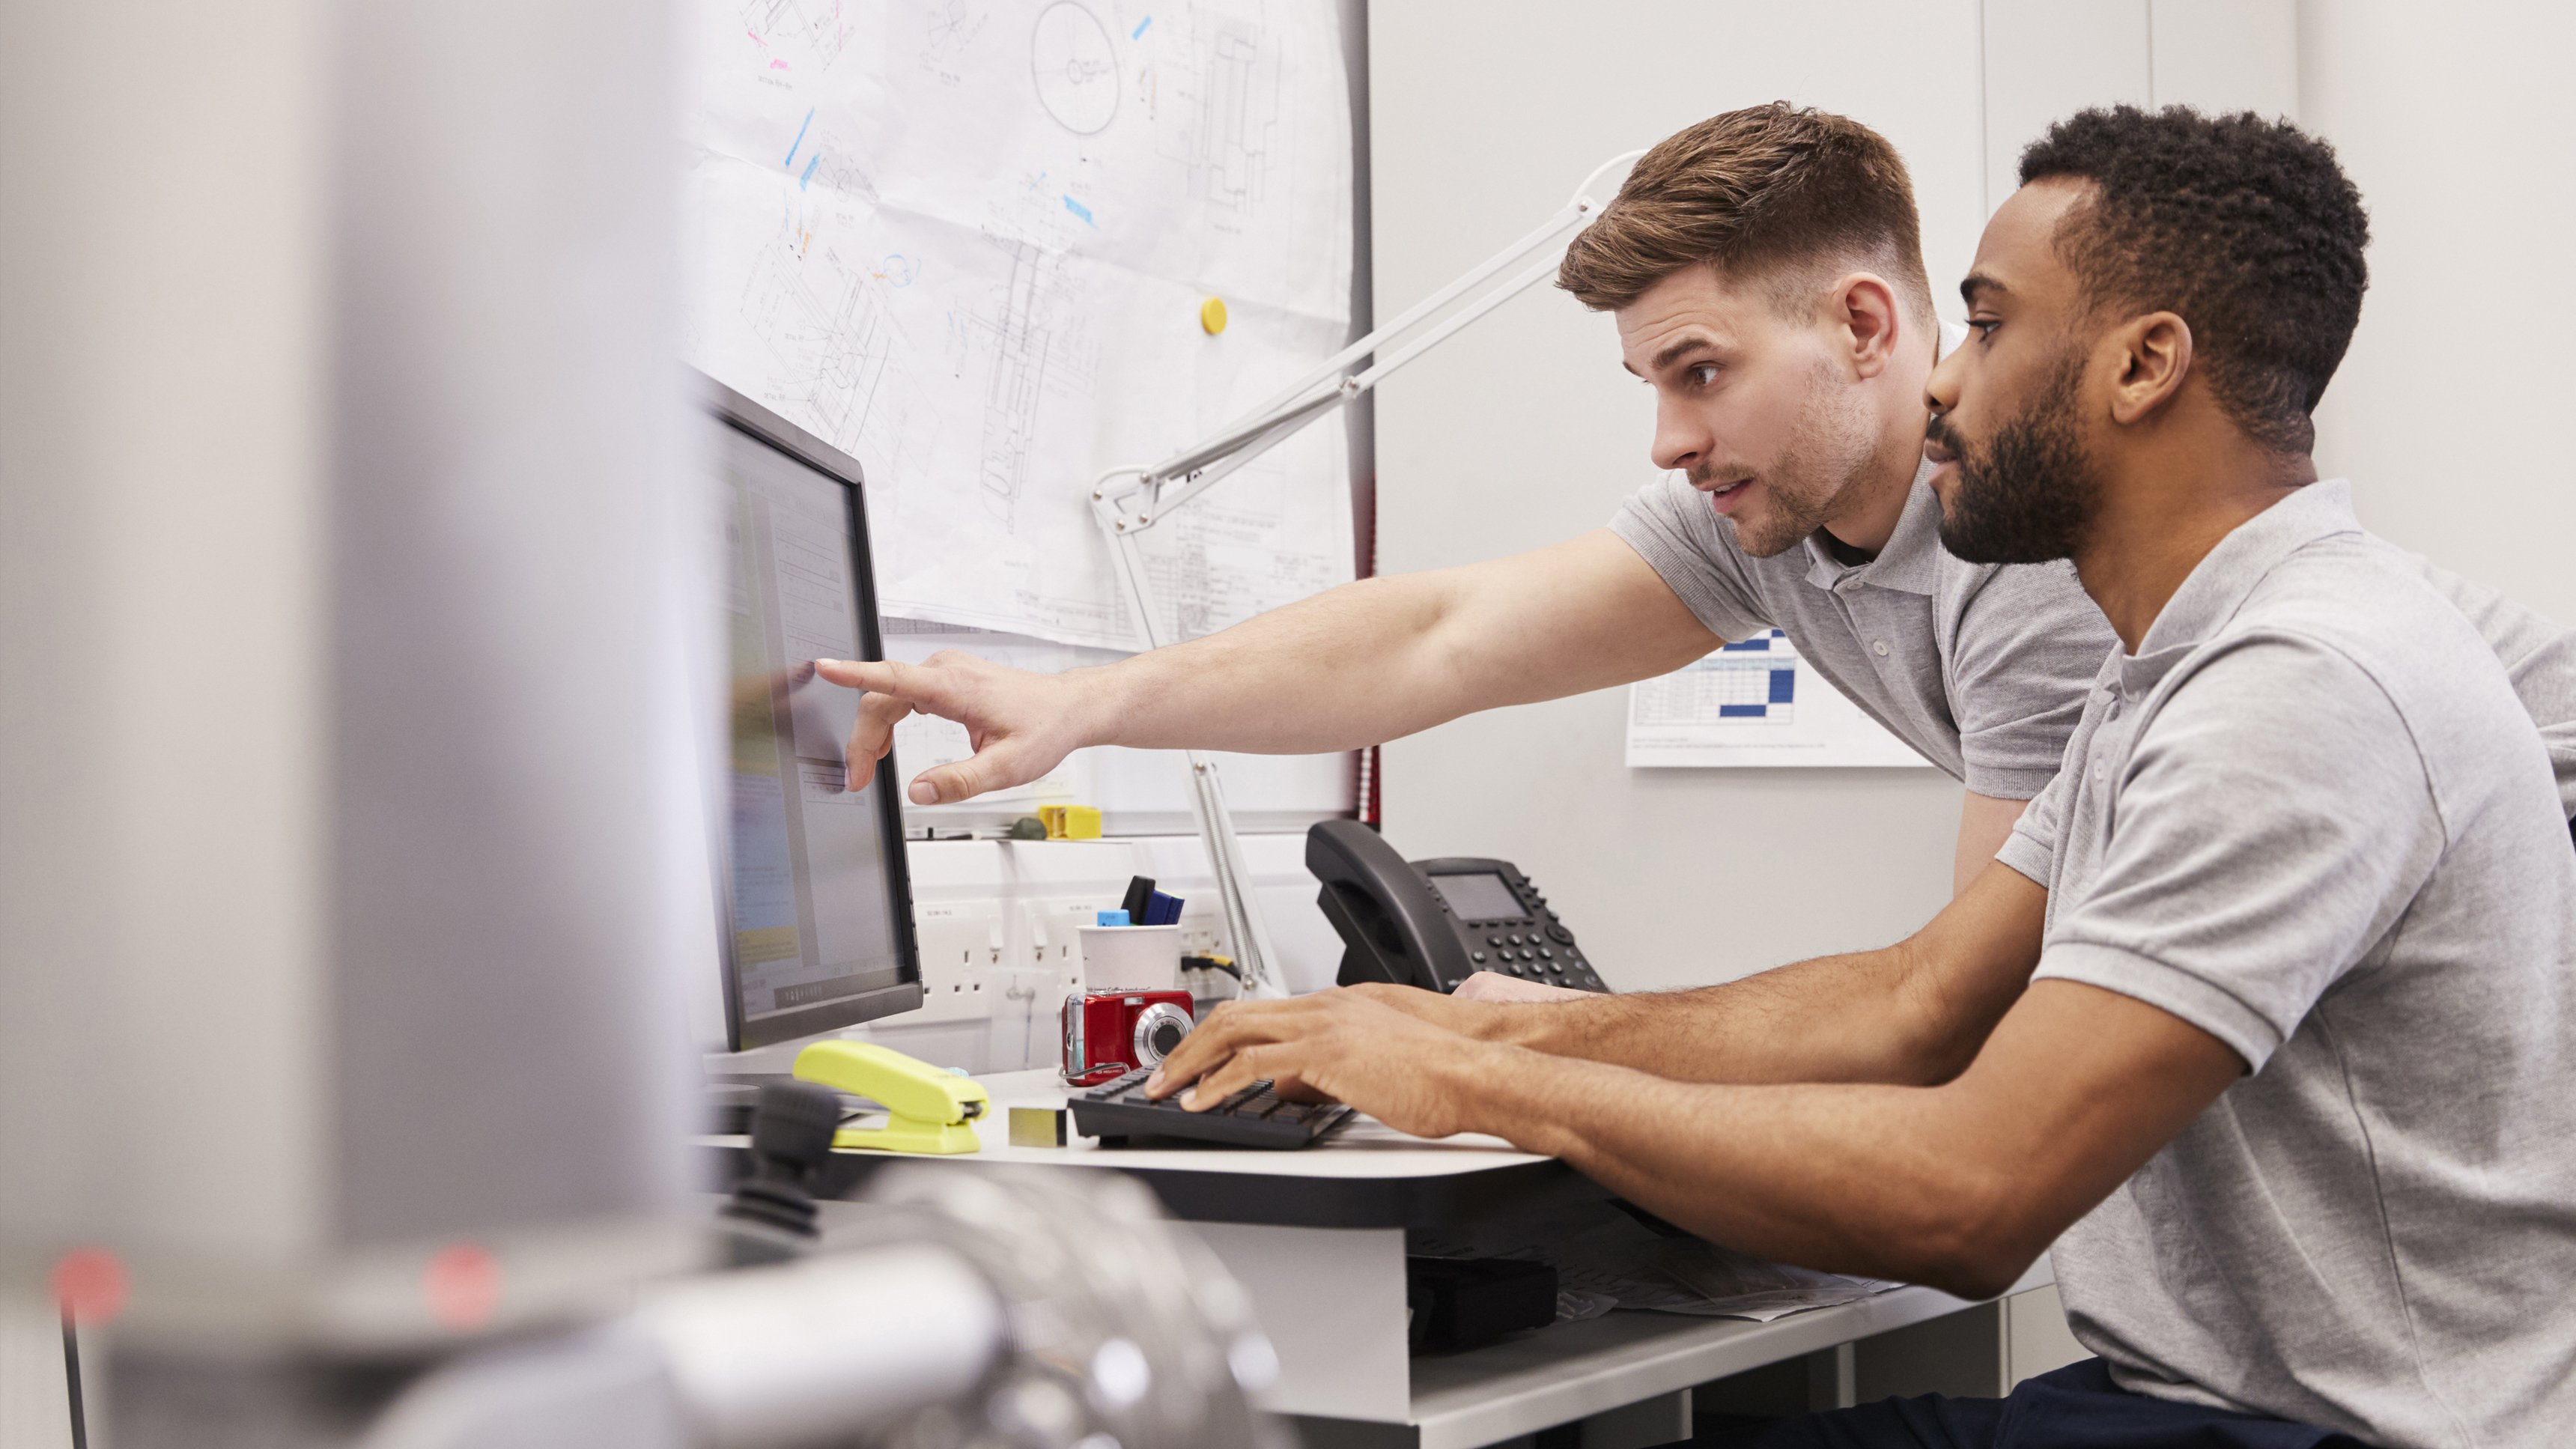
(2311, 817)
(1982, 668)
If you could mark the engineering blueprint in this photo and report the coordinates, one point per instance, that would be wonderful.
(967, 242)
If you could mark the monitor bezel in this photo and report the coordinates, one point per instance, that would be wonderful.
(735, 411)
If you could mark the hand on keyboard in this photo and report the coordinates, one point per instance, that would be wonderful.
(1254, 1116)
(1344, 1046)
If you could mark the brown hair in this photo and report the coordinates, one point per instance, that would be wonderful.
(1767, 191)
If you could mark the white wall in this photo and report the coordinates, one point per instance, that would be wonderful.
(2048, 58)
(2446, 414)
(1525, 432)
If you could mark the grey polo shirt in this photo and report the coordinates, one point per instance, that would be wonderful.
(2311, 817)
(1982, 668)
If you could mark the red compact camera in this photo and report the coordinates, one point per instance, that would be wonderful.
(1108, 1034)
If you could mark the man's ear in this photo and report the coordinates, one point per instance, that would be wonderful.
(2154, 354)
(1864, 310)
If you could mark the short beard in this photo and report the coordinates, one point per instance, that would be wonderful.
(1832, 449)
(2030, 497)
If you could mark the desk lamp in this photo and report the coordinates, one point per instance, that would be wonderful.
(1127, 500)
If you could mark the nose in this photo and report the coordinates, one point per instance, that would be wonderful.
(1681, 438)
(1941, 389)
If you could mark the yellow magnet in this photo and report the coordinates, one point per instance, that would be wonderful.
(1071, 822)
(1212, 315)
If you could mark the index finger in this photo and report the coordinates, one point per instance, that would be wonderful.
(883, 676)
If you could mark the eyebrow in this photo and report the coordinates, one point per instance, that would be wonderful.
(1977, 284)
(1676, 351)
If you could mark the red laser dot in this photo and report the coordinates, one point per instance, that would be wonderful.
(463, 1286)
(89, 1283)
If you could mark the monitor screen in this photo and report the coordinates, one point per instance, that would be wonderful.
(818, 920)
(1480, 897)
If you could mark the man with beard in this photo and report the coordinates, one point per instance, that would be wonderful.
(2265, 1015)
(1766, 273)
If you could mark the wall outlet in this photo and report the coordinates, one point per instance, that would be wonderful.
(961, 955)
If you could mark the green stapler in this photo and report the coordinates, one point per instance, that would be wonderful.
(929, 1109)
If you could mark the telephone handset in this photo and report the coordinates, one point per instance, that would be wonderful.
(1434, 923)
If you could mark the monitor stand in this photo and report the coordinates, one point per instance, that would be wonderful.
(734, 1079)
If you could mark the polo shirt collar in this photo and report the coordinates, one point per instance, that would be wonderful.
(2217, 587)
(1908, 563)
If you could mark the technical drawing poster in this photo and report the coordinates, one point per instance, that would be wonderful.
(1753, 702)
(966, 241)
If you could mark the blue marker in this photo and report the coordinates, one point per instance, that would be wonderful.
(815, 160)
(800, 136)
(1139, 32)
(1080, 210)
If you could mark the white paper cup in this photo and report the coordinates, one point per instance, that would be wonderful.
(1131, 958)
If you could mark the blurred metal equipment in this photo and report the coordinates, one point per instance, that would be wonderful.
(990, 1309)
(358, 699)
(1124, 1329)
(353, 860)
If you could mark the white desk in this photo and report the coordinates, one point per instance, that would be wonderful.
(1317, 1238)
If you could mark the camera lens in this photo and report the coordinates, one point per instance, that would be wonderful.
(1159, 1028)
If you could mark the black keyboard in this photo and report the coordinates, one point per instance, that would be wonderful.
(1253, 1117)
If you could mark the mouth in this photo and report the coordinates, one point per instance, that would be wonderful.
(1725, 496)
(1937, 455)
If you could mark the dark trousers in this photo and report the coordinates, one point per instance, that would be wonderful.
(2076, 1407)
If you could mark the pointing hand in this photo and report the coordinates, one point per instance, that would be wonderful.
(1021, 724)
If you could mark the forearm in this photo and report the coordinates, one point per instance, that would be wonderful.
(1863, 1179)
(1914, 1012)
(1855, 1018)
(1959, 1185)
(1347, 668)
(1381, 658)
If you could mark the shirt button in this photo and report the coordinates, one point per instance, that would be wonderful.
(1879, 648)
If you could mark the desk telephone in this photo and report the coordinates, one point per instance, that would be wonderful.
(1434, 923)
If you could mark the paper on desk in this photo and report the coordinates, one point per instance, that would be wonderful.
(1574, 1306)
(1600, 1250)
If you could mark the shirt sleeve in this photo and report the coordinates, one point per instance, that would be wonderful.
(2032, 846)
(1675, 531)
(2028, 646)
(2271, 824)
(2540, 659)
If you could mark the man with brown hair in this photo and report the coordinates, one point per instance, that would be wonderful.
(1765, 268)
(1767, 273)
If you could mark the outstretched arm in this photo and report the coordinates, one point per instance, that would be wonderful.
(1914, 1012)
(1357, 665)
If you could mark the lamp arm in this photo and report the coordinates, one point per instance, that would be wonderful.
(1334, 383)
(1125, 512)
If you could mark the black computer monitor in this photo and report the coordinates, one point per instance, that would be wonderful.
(817, 900)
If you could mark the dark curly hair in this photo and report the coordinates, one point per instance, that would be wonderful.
(2245, 228)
